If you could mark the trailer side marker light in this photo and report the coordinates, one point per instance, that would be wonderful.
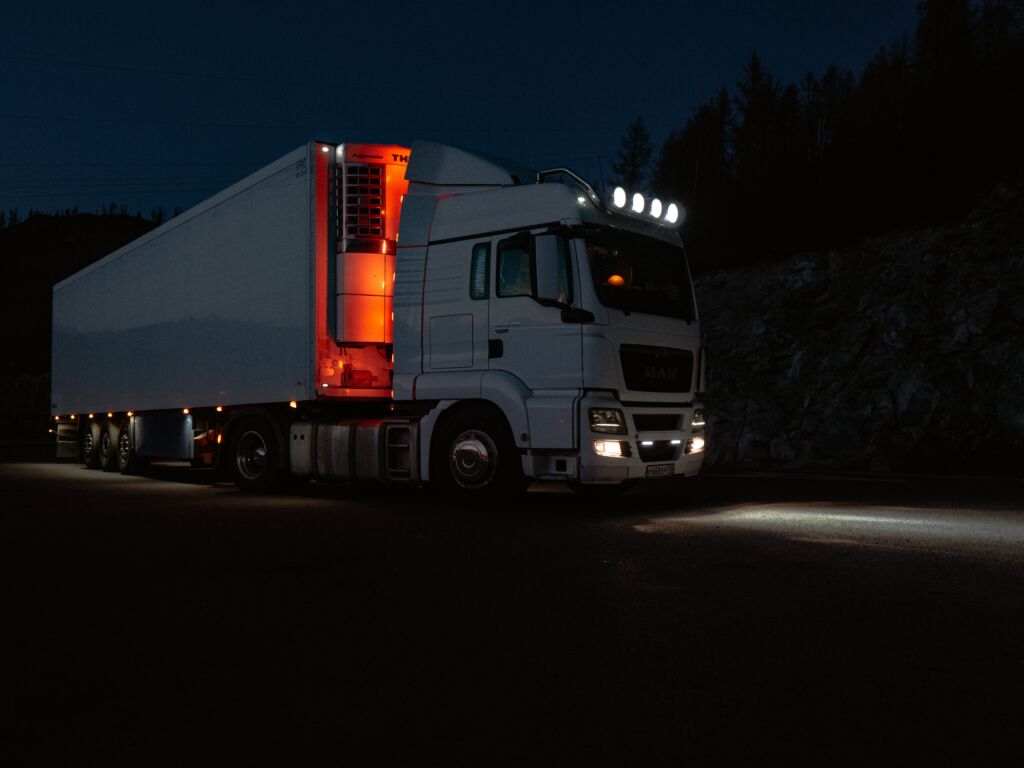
(219, 409)
(185, 411)
(130, 414)
(292, 404)
(110, 415)
(90, 415)
(219, 438)
(325, 149)
(72, 417)
(56, 418)
(616, 281)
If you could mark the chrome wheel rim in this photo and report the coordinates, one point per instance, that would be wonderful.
(124, 446)
(473, 459)
(106, 445)
(251, 455)
(88, 444)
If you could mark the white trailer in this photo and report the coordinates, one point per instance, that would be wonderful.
(367, 312)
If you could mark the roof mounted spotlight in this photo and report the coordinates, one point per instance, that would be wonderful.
(619, 197)
(655, 209)
(672, 214)
(638, 203)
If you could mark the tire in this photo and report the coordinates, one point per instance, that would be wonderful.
(88, 443)
(474, 457)
(128, 462)
(107, 447)
(253, 456)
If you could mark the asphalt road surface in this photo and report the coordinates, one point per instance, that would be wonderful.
(171, 619)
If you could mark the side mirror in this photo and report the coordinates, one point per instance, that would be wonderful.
(549, 251)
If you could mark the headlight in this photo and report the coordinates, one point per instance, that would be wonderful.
(615, 449)
(608, 420)
(698, 418)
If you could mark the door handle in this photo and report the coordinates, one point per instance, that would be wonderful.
(509, 324)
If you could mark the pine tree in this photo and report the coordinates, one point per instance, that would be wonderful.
(634, 157)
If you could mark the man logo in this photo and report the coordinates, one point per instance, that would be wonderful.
(655, 373)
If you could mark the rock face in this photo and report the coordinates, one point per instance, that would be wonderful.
(903, 354)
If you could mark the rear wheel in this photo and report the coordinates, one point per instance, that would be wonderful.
(89, 444)
(474, 456)
(108, 446)
(253, 456)
(128, 462)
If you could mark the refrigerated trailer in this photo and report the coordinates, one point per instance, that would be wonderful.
(364, 312)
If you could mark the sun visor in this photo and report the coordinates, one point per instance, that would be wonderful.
(442, 165)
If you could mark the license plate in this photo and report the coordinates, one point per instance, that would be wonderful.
(660, 470)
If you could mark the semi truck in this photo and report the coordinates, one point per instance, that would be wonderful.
(373, 312)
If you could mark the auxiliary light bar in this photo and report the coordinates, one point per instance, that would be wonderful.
(664, 214)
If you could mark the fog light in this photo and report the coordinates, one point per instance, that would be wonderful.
(610, 448)
(695, 445)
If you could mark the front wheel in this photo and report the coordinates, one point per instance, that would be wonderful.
(474, 457)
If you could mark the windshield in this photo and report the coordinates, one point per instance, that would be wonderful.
(640, 274)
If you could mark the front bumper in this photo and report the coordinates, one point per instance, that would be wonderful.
(655, 445)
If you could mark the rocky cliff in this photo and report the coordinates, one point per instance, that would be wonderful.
(905, 353)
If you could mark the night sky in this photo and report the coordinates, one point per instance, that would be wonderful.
(163, 105)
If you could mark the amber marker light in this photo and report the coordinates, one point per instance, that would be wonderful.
(292, 404)
(616, 281)
(219, 409)
(110, 415)
(91, 415)
(130, 414)
(185, 411)
(72, 417)
(219, 438)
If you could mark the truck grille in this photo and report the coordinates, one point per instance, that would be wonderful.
(656, 369)
(656, 422)
(364, 196)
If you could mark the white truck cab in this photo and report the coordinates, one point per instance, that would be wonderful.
(577, 320)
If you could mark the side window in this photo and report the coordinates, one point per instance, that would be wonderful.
(564, 272)
(479, 271)
(515, 266)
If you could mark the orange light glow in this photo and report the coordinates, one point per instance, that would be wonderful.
(110, 415)
(616, 281)
(219, 408)
(72, 417)
(130, 414)
(219, 438)
(91, 415)
(56, 418)
(292, 404)
(185, 411)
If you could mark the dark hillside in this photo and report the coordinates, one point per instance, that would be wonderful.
(904, 353)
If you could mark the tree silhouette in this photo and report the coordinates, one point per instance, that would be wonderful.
(634, 156)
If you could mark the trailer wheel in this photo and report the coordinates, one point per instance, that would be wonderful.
(89, 445)
(128, 462)
(107, 447)
(253, 456)
(474, 457)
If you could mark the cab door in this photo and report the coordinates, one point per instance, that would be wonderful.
(529, 339)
